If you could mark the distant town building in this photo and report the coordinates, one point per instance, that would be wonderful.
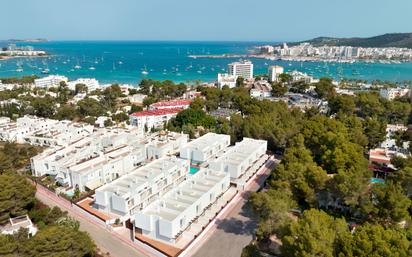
(50, 81)
(390, 142)
(91, 84)
(261, 89)
(274, 72)
(180, 103)
(149, 119)
(224, 79)
(268, 49)
(242, 69)
(137, 98)
(392, 93)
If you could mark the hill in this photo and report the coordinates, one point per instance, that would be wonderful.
(386, 40)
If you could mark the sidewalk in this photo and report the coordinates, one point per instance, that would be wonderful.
(108, 241)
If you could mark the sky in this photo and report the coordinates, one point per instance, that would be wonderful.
(212, 20)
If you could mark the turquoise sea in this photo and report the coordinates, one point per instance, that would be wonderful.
(130, 61)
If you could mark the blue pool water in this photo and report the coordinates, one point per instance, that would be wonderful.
(124, 61)
(193, 170)
(377, 180)
(69, 193)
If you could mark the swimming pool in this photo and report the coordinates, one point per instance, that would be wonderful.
(377, 180)
(193, 170)
(69, 193)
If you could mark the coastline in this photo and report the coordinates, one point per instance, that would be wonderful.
(298, 59)
(8, 57)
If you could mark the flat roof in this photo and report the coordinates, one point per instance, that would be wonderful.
(171, 205)
(205, 141)
(240, 151)
(141, 176)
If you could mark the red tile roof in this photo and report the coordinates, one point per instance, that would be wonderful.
(156, 112)
(172, 103)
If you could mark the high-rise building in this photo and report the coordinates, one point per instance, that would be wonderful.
(242, 69)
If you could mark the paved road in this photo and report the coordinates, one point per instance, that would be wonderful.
(236, 230)
(105, 240)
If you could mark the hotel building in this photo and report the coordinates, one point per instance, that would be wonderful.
(50, 81)
(91, 84)
(242, 69)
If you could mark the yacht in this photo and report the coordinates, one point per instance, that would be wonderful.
(144, 71)
(20, 69)
(92, 68)
(78, 67)
(45, 71)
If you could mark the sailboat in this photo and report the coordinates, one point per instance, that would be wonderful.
(19, 67)
(144, 71)
(77, 67)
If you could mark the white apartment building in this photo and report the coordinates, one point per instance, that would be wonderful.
(392, 93)
(242, 69)
(136, 98)
(149, 119)
(62, 133)
(91, 84)
(136, 190)
(109, 165)
(274, 72)
(224, 79)
(42, 132)
(390, 143)
(92, 160)
(261, 89)
(15, 224)
(168, 217)
(10, 132)
(164, 143)
(236, 160)
(50, 81)
(204, 147)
